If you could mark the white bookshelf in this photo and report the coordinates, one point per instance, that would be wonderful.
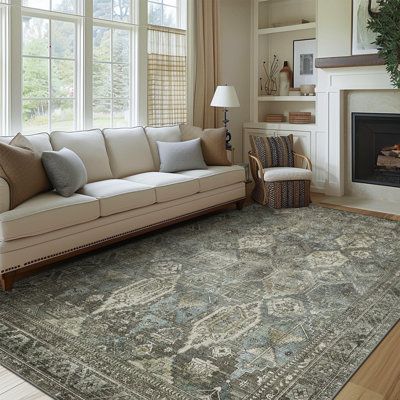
(287, 28)
(285, 99)
(276, 24)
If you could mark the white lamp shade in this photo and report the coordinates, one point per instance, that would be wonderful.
(226, 97)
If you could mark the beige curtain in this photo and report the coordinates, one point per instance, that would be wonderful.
(207, 53)
(167, 77)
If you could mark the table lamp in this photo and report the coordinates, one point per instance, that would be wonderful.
(225, 97)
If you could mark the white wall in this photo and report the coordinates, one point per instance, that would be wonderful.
(334, 27)
(235, 31)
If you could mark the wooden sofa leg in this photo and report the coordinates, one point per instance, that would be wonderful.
(240, 204)
(7, 280)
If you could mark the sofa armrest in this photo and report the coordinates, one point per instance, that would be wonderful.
(4, 196)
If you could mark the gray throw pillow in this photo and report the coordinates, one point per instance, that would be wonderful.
(181, 156)
(65, 170)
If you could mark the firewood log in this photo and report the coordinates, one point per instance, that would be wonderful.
(388, 162)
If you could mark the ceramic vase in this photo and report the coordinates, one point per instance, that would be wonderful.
(285, 78)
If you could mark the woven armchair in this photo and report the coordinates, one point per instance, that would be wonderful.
(286, 185)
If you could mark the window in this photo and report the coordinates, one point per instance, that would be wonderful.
(166, 77)
(111, 77)
(167, 63)
(48, 74)
(164, 13)
(112, 10)
(67, 6)
(74, 64)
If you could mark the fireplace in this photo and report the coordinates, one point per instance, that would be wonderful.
(376, 148)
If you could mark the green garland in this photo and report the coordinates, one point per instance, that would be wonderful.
(386, 24)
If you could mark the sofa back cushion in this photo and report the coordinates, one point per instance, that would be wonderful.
(129, 151)
(40, 142)
(162, 134)
(90, 148)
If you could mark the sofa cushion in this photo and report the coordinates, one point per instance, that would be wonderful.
(117, 195)
(128, 151)
(91, 149)
(286, 174)
(40, 142)
(180, 156)
(66, 171)
(216, 177)
(273, 151)
(168, 186)
(163, 134)
(47, 212)
(213, 143)
(23, 171)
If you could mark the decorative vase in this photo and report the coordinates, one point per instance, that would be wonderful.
(285, 77)
(271, 87)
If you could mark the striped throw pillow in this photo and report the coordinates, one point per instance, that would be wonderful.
(273, 151)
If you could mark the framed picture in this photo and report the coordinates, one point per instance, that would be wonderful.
(363, 38)
(304, 53)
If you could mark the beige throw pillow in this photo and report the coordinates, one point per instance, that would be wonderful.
(22, 169)
(213, 143)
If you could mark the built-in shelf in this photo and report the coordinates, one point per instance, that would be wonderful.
(282, 126)
(269, 1)
(288, 98)
(288, 28)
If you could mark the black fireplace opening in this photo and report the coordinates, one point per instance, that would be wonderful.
(376, 148)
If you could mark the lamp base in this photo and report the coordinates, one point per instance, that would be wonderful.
(228, 134)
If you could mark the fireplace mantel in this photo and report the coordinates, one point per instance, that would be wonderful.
(366, 60)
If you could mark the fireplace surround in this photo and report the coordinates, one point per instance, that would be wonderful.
(376, 148)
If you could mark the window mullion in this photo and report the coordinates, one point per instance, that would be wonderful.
(141, 63)
(112, 75)
(50, 65)
(16, 70)
(5, 70)
(86, 58)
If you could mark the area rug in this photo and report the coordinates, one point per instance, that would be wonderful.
(252, 304)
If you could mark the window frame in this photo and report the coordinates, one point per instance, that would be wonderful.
(5, 99)
(11, 117)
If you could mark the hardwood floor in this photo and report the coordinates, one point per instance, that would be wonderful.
(379, 376)
(12, 387)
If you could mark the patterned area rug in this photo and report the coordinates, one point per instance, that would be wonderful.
(256, 304)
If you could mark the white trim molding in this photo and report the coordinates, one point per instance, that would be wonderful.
(332, 85)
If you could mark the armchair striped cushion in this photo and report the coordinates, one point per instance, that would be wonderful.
(273, 151)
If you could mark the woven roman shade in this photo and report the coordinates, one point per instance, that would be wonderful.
(167, 76)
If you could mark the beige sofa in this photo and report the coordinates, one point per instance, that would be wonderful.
(124, 197)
